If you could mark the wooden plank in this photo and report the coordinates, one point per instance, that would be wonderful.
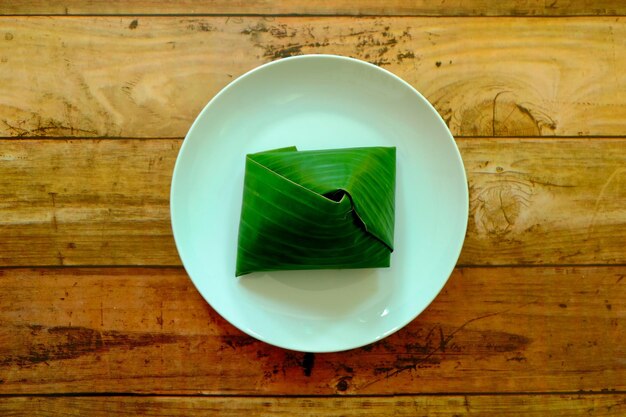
(605, 405)
(556, 202)
(106, 202)
(86, 202)
(150, 76)
(320, 7)
(542, 329)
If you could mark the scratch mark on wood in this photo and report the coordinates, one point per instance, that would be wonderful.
(602, 196)
(493, 120)
(55, 225)
(539, 118)
(506, 217)
(159, 318)
(442, 341)
(615, 65)
(44, 128)
(413, 363)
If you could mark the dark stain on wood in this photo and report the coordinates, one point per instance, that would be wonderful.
(343, 384)
(278, 31)
(8, 36)
(255, 30)
(236, 341)
(199, 25)
(276, 53)
(382, 370)
(380, 62)
(47, 344)
(378, 46)
(308, 361)
(275, 40)
(133, 24)
(405, 55)
(202, 27)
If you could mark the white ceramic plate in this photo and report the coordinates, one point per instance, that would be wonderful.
(319, 102)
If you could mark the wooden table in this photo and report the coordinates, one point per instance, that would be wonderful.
(97, 316)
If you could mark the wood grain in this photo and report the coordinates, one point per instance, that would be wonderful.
(125, 330)
(605, 405)
(555, 202)
(106, 202)
(86, 202)
(320, 7)
(150, 76)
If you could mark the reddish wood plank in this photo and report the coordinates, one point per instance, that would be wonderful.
(148, 331)
(150, 76)
(605, 405)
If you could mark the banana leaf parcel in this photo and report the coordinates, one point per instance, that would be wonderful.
(324, 209)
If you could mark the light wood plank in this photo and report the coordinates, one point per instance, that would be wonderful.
(556, 202)
(150, 76)
(605, 405)
(321, 7)
(106, 202)
(149, 331)
(86, 202)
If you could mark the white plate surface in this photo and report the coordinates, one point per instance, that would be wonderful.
(319, 102)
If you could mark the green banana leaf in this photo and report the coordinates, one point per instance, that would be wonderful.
(317, 209)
